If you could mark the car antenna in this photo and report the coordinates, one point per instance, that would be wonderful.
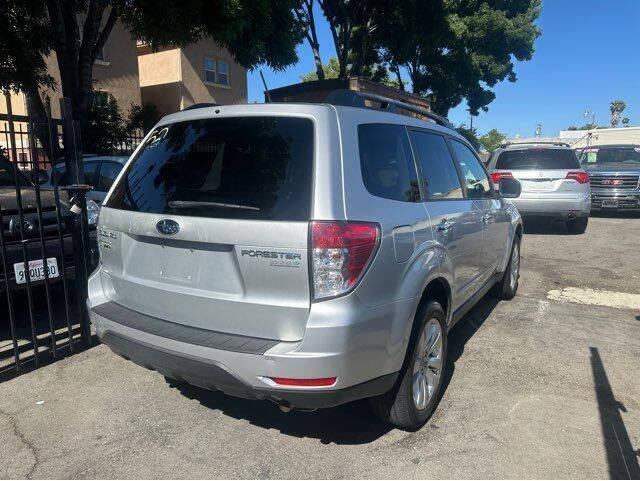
(266, 90)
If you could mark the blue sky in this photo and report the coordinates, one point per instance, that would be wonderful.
(586, 57)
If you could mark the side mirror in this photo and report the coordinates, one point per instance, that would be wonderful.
(509, 188)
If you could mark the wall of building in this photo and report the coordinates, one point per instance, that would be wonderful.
(18, 106)
(166, 97)
(159, 68)
(584, 138)
(117, 74)
(196, 90)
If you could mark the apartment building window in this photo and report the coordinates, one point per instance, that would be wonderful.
(216, 71)
(223, 72)
(209, 70)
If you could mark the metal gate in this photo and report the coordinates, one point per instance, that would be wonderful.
(46, 245)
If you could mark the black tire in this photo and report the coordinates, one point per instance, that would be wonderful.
(504, 289)
(397, 407)
(578, 225)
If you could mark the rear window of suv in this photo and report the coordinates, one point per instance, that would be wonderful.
(240, 168)
(537, 159)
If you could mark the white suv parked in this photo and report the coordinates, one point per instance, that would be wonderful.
(553, 182)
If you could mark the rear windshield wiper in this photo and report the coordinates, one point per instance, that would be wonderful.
(198, 204)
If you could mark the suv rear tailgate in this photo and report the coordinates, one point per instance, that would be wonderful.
(234, 276)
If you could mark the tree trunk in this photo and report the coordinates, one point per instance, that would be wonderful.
(36, 111)
(315, 48)
(396, 70)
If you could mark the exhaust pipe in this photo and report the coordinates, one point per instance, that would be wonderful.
(285, 406)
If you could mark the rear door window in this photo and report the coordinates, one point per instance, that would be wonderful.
(388, 169)
(537, 159)
(439, 172)
(241, 168)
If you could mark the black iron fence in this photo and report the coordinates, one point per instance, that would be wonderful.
(28, 149)
(47, 247)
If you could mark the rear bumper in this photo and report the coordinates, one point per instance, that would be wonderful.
(362, 346)
(210, 374)
(549, 206)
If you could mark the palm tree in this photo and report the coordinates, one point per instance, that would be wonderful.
(616, 107)
(625, 122)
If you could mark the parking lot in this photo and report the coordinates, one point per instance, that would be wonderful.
(543, 386)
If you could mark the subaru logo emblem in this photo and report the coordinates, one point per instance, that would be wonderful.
(167, 227)
(26, 226)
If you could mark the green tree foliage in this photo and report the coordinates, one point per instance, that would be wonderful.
(471, 134)
(331, 70)
(616, 108)
(254, 31)
(626, 121)
(141, 118)
(466, 48)
(492, 140)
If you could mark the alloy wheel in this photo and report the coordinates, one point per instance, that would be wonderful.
(427, 367)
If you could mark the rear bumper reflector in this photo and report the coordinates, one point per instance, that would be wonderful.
(325, 381)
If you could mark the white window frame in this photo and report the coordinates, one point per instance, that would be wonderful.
(215, 70)
(226, 74)
(216, 62)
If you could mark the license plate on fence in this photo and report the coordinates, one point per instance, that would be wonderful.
(609, 203)
(36, 270)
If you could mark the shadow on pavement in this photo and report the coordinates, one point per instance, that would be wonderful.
(42, 328)
(352, 423)
(544, 225)
(463, 331)
(622, 459)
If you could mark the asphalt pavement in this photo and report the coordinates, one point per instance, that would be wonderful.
(536, 388)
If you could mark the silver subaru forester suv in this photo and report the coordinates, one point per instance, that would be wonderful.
(309, 254)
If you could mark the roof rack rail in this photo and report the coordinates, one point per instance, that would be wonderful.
(354, 98)
(532, 142)
(201, 105)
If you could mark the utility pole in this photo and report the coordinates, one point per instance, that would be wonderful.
(586, 114)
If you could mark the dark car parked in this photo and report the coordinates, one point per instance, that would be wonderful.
(12, 268)
(614, 172)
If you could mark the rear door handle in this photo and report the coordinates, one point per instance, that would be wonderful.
(444, 225)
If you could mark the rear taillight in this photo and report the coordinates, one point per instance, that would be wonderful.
(580, 177)
(496, 177)
(340, 254)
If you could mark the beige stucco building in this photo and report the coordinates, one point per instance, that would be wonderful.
(175, 78)
(116, 73)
